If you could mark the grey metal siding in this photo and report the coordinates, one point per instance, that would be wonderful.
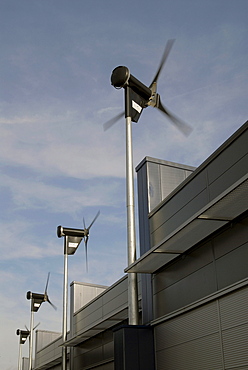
(220, 171)
(234, 322)
(96, 353)
(190, 341)
(156, 180)
(213, 265)
(178, 209)
(212, 336)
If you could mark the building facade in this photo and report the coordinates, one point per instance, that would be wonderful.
(192, 274)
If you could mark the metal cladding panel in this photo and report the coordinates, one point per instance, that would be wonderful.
(234, 322)
(193, 287)
(226, 179)
(229, 157)
(179, 200)
(235, 346)
(51, 354)
(87, 317)
(190, 341)
(233, 238)
(83, 293)
(115, 290)
(43, 338)
(201, 354)
(162, 228)
(143, 210)
(171, 177)
(154, 185)
(220, 171)
(178, 209)
(234, 309)
(210, 336)
(156, 180)
(97, 314)
(183, 268)
(232, 267)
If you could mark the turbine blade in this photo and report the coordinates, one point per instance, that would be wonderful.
(48, 300)
(98, 213)
(36, 326)
(163, 60)
(48, 277)
(112, 121)
(180, 125)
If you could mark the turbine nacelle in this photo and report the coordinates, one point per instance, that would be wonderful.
(73, 237)
(66, 231)
(121, 77)
(139, 96)
(38, 298)
(24, 334)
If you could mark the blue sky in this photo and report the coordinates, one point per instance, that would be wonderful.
(57, 163)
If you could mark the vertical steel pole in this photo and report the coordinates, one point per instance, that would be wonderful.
(20, 355)
(131, 234)
(31, 337)
(65, 300)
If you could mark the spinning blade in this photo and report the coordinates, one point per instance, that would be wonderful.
(180, 125)
(46, 298)
(163, 60)
(86, 237)
(112, 121)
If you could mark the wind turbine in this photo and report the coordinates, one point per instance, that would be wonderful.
(73, 238)
(24, 334)
(36, 301)
(137, 97)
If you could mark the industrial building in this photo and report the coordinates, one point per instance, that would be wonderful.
(192, 276)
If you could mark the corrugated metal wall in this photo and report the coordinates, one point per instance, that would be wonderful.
(96, 353)
(212, 336)
(214, 265)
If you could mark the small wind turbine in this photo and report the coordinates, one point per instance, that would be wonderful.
(137, 97)
(73, 238)
(36, 300)
(24, 334)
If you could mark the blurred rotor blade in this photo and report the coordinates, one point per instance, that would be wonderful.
(98, 213)
(112, 121)
(182, 126)
(48, 300)
(163, 60)
(36, 326)
(48, 276)
(86, 252)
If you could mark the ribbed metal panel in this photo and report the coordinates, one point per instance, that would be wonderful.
(235, 346)
(199, 354)
(187, 327)
(190, 341)
(234, 309)
(234, 323)
(213, 336)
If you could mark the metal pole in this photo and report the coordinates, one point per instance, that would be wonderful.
(131, 234)
(64, 325)
(31, 337)
(20, 356)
